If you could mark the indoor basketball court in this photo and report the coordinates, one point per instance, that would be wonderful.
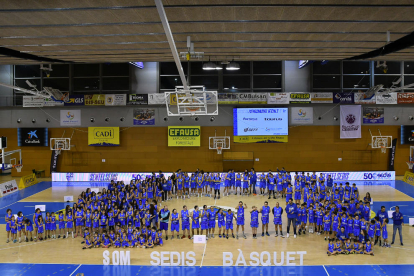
(267, 126)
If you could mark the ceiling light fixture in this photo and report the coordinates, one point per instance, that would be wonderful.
(209, 65)
(233, 66)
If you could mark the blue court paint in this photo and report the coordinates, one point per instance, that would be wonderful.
(333, 270)
(404, 188)
(22, 194)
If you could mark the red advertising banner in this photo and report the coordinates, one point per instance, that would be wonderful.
(405, 98)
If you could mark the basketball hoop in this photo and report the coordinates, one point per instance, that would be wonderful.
(383, 149)
(410, 165)
(18, 167)
(219, 150)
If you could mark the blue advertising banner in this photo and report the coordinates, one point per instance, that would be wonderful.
(75, 100)
(373, 115)
(144, 116)
(343, 98)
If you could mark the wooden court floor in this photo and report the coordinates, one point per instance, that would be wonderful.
(69, 250)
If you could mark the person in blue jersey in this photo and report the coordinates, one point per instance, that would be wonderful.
(329, 183)
(298, 190)
(238, 183)
(321, 179)
(29, 229)
(308, 179)
(20, 226)
(200, 180)
(186, 185)
(227, 183)
(288, 192)
(262, 183)
(221, 221)
(303, 219)
(277, 212)
(385, 233)
(254, 221)
(398, 220)
(369, 249)
(40, 228)
(279, 186)
(327, 224)
(164, 216)
(302, 178)
(265, 211)
(175, 224)
(211, 221)
(271, 181)
(229, 223)
(291, 211)
(195, 221)
(69, 223)
(371, 230)
(252, 180)
(53, 225)
(331, 248)
(204, 220)
(180, 184)
(233, 180)
(217, 182)
(245, 183)
(193, 184)
(240, 218)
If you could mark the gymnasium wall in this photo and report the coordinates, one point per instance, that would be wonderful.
(145, 149)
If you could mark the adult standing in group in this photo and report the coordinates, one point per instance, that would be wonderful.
(382, 214)
(291, 211)
(253, 178)
(329, 183)
(398, 220)
(164, 217)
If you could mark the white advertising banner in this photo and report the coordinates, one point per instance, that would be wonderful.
(322, 97)
(127, 177)
(50, 102)
(70, 117)
(361, 98)
(253, 98)
(30, 101)
(301, 115)
(156, 98)
(115, 99)
(386, 98)
(278, 98)
(350, 121)
(8, 187)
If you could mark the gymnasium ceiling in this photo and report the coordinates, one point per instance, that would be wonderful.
(121, 31)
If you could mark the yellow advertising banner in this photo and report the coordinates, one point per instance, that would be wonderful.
(173, 99)
(103, 136)
(96, 99)
(184, 136)
(27, 181)
(261, 139)
(409, 178)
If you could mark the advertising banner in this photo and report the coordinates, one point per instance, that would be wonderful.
(322, 97)
(343, 98)
(409, 177)
(391, 157)
(75, 100)
(278, 98)
(8, 187)
(261, 139)
(350, 121)
(405, 98)
(184, 136)
(50, 102)
(115, 99)
(138, 99)
(54, 161)
(407, 135)
(27, 181)
(156, 98)
(31, 101)
(300, 97)
(70, 117)
(386, 98)
(301, 115)
(32, 137)
(144, 116)
(373, 115)
(103, 136)
(127, 177)
(228, 98)
(252, 98)
(361, 98)
(96, 99)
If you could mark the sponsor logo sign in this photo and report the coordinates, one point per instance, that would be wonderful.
(27, 181)
(343, 98)
(187, 136)
(138, 99)
(386, 98)
(115, 99)
(70, 117)
(409, 178)
(75, 100)
(322, 97)
(30, 101)
(8, 187)
(300, 97)
(103, 136)
(373, 115)
(407, 135)
(405, 98)
(261, 139)
(362, 98)
(278, 98)
(350, 121)
(156, 98)
(252, 98)
(32, 137)
(97, 99)
(144, 116)
(228, 98)
(301, 115)
(50, 102)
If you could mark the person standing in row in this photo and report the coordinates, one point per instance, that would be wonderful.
(398, 219)
(291, 211)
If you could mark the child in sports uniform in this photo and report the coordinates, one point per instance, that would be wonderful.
(254, 221)
(331, 248)
(319, 221)
(240, 218)
(349, 247)
(371, 230)
(20, 227)
(159, 238)
(69, 224)
(195, 224)
(377, 231)
(327, 224)
(204, 220)
(88, 243)
(229, 223)
(29, 229)
(368, 249)
(150, 242)
(61, 218)
(40, 228)
(385, 233)
(47, 226)
(53, 225)
(277, 219)
(221, 222)
(357, 247)
(238, 183)
(175, 224)
(338, 246)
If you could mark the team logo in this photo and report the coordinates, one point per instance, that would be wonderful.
(302, 113)
(70, 116)
(32, 134)
(350, 119)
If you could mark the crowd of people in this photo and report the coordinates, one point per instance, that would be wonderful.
(132, 215)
